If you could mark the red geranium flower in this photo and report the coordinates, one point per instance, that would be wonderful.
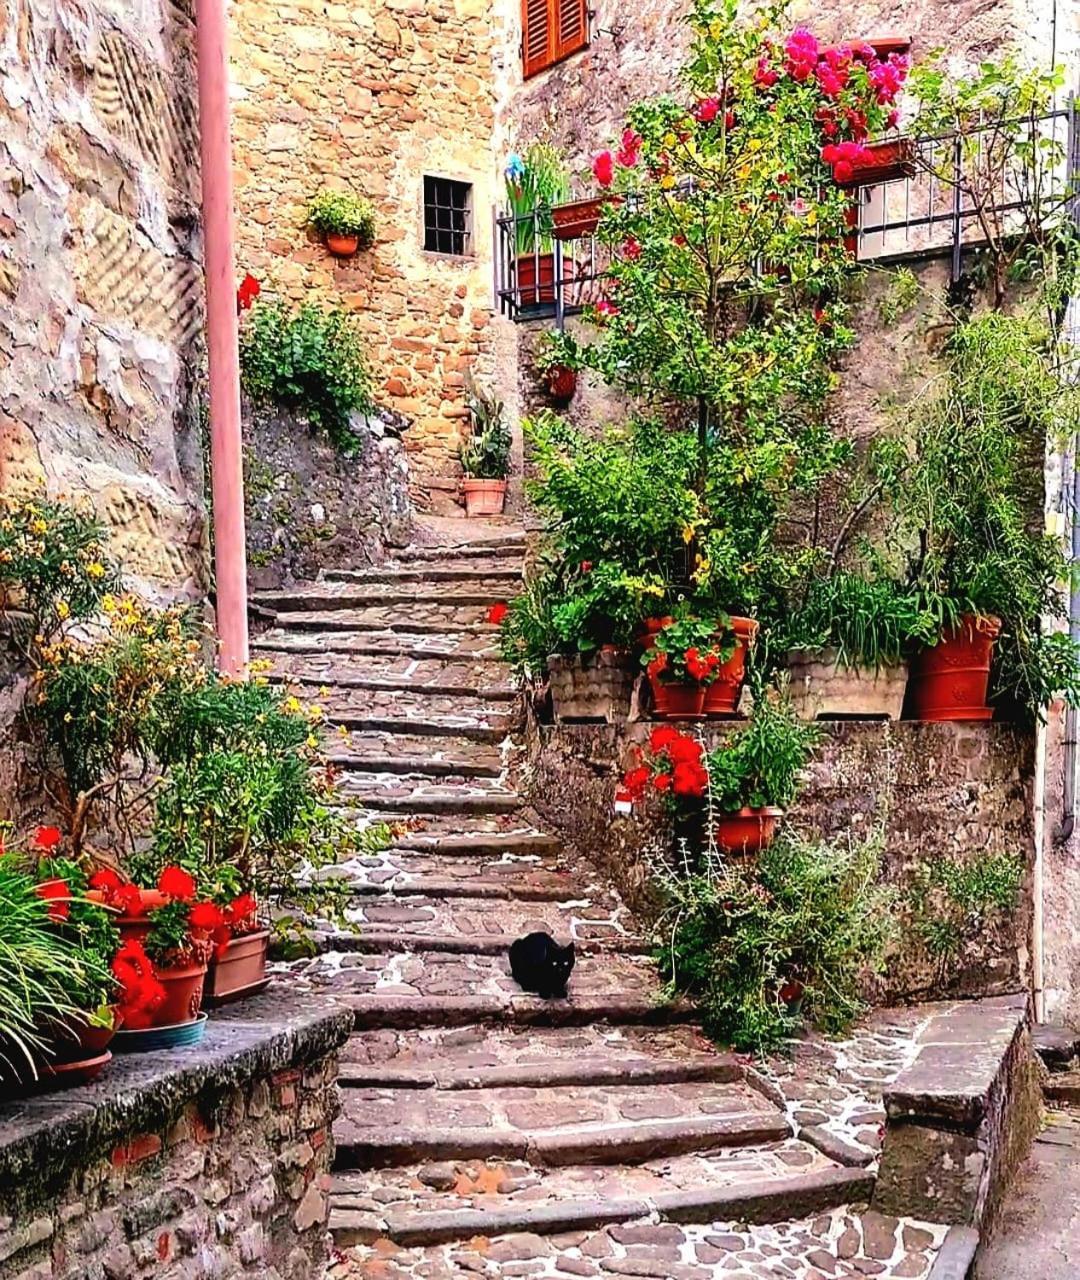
(242, 911)
(497, 612)
(128, 898)
(47, 837)
(247, 293)
(631, 249)
(206, 916)
(175, 882)
(603, 167)
(635, 782)
(662, 782)
(58, 895)
(106, 881)
(141, 994)
(662, 737)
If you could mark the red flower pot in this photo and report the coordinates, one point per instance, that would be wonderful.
(580, 218)
(674, 700)
(747, 832)
(722, 696)
(74, 1039)
(239, 971)
(342, 246)
(484, 497)
(561, 383)
(950, 680)
(650, 628)
(183, 994)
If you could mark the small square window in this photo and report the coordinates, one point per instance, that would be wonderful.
(447, 216)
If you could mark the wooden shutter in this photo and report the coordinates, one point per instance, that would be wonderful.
(552, 30)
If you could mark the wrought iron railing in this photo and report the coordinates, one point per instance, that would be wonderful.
(541, 273)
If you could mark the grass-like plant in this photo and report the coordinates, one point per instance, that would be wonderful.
(535, 181)
(343, 213)
(760, 764)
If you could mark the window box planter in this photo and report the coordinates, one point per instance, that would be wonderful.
(824, 689)
(745, 833)
(483, 497)
(676, 700)
(722, 696)
(592, 690)
(890, 160)
(239, 971)
(950, 680)
(580, 218)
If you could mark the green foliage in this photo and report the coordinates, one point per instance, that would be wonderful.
(761, 949)
(169, 940)
(53, 562)
(760, 764)
(535, 181)
(556, 349)
(902, 294)
(956, 902)
(312, 361)
(486, 454)
(705, 638)
(90, 929)
(343, 213)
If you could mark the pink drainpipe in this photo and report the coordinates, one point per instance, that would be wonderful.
(226, 457)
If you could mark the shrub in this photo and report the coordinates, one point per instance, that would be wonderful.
(344, 214)
(761, 949)
(311, 361)
(486, 454)
(760, 765)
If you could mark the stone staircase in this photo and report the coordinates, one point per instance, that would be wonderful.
(481, 1124)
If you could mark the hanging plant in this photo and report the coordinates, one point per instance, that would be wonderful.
(344, 220)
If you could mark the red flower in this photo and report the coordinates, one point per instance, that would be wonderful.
(662, 782)
(631, 249)
(629, 153)
(175, 882)
(242, 912)
(47, 837)
(707, 110)
(58, 895)
(635, 782)
(684, 750)
(247, 293)
(603, 167)
(765, 76)
(497, 613)
(128, 899)
(140, 992)
(586, 566)
(206, 916)
(606, 310)
(658, 664)
(106, 881)
(689, 780)
(662, 737)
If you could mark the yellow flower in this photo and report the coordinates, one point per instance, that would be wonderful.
(95, 569)
(811, 217)
(755, 144)
(312, 741)
(667, 181)
(62, 611)
(292, 704)
(39, 526)
(688, 533)
(670, 139)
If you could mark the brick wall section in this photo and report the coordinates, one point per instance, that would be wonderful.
(950, 791)
(371, 97)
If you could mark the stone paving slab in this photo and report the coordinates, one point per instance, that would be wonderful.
(405, 866)
(345, 704)
(503, 573)
(840, 1242)
(355, 746)
(397, 669)
(348, 593)
(400, 643)
(430, 618)
(378, 790)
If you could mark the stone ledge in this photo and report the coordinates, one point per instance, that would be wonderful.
(44, 1137)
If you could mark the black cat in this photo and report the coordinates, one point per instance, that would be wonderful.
(539, 964)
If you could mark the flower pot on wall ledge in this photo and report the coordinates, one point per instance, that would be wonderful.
(747, 832)
(342, 246)
(950, 680)
(592, 690)
(822, 688)
(484, 497)
(183, 985)
(722, 696)
(239, 970)
(676, 700)
(561, 383)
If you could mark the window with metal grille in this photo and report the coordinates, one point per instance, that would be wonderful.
(552, 30)
(447, 216)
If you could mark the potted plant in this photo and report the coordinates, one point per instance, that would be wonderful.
(683, 659)
(485, 456)
(555, 360)
(735, 636)
(344, 220)
(535, 181)
(848, 644)
(754, 776)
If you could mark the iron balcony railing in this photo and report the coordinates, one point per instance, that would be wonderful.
(544, 276)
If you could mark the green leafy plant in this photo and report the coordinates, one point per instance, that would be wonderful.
(312, 361)
(956, 902)
(343, 213)
(555, 349)
(535, 180)
(690, 649)
(486, 453)
(764, 948)
(527, 632)
(760, 765)
(89, 927)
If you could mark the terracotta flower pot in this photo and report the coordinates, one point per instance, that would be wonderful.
(722, 696)
(240, 971)
(747, 832)
(650, 628)
(580, 218)
(75, 1039)
(136, 927)
(950, 680)
(484, 497)
(673, 700)
(561, 383)
(183, 994)
(342, 246)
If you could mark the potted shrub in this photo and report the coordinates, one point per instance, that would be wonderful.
(754, 776)
(345, 221)
(555, 361)
(535, 182)
(848, 644)
(485, 456)
(683, 659)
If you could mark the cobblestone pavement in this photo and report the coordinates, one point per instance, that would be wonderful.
(481, 1124)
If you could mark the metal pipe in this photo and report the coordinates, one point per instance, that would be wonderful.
(226, 452)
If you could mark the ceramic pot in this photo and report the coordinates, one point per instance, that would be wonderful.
(747, 832)
(484, 497)
(342, 246)
(239, 971)
(561, 383)
(183, 994)
(673, 700)
(949, 681)
(722, 696)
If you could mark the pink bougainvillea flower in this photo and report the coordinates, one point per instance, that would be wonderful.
(606, 310)
(603, 167)
(47, 837)
(629, 153)
(765, 75)
(631, 249)
(247, 293)
(707, 110)
(497, 613)
(802, 50)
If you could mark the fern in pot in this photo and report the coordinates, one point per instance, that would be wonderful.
(485, 456)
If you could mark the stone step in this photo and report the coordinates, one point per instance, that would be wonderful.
(575, 1124)
(510, 547)
(429, 726)
(1063, 1088)
(395, 869)
(504, 575)
(479, 1057)
(430, 620)
(348, 705)
(480, 644)
(391, 793)
(442, 764)
(531, 884)
(436, 989)
(464, 674)
(320, 597)
(472, 844)
(349, 688)
(807, 1227)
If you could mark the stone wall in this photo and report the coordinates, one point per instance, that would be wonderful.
(372, 97)
(947, 791)
(211, 1161)
(100, 282)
